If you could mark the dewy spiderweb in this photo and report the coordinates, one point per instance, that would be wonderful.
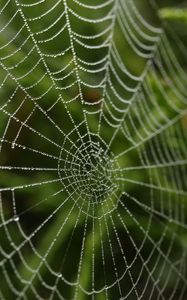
(93, 152)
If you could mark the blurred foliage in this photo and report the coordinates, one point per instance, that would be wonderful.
(179, 15)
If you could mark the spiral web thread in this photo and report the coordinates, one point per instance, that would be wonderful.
(95, 153)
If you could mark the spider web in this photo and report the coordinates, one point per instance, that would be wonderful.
(93, 152)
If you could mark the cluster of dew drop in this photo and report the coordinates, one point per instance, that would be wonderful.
(89, 171)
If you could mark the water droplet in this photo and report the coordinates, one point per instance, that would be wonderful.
(16, 218)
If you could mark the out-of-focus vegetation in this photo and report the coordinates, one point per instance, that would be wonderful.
(174, 14)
